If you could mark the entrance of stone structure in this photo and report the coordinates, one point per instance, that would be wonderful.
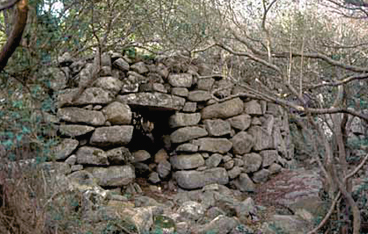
(151, 129)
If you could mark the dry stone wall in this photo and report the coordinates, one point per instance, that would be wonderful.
(200, 141)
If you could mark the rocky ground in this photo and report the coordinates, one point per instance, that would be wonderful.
(287, 203)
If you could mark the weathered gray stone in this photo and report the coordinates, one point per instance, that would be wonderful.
(183, 119)
(121, 64)
(242, 143)
(161, 155)
(181, 92)
(113, 176)
(58, 79)
(79, 115)
(118, 113)
(162, 70)
(274, 168)
(181, 80)
(71, 160)
(217, 127)
(240, 122)
(223, 110)
(205, 83)
(106, 59)
(262, 140)
(198, 179)
(244, 183)
(229, 164)
(223, 87)
(119, 155)
(191, 210)
(160, 100)
(159, 88)
(199, 96)
(74, 168)
(163, 169)
(286, 224)
(109, 83)
(187, 133)
(261, 176)
(221, 224)
(187, 147)
(154, 178)
(112, 136)
(65, 148)
(91, 95)
(139, 67)
(190, 107)
(253, 108)
(214, 145)
(252, 162)
(187, 161)
(234, 172)
(214, 160)
(136, 78)
(141, 156)
(91, 156)
(269, 157)
(74, 130)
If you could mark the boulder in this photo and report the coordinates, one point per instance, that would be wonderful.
(217, 127)
(119, 156)
(225, 109)
(240, 122)
(79, 115)
(205, 83)
(187, 161)
(198, 179)
(181, 92)
(242, 143)
(112, 136)
(191, 210)
(190, 107)
(91, 95)
(111, 84)
(262, 140)
(187, 147)
(252, 162)
(155, 99)
(139, 67)
(187, 133)
(269, 157)
(199, 96)
(118, 113)
(184, 80)
(243, 183)
(141, 156)
(75, 130)
(91, 156)
(65, 148)
(214, 145)
(113, 176)
(253, 108)
(221, 224)
(184, 119)
(214, 160)
(261, 176)
(163, 169)
(121, 64)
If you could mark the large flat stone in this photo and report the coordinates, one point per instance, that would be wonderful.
(112, 136)
(79, 115)
(91, 156)
(187, 133)
(74, 130)
(158, 100)
(224, 110)
(184, 119)
(199, 179)
(214, 145)
(181, 80)
(113, 176)
(187, 161)
(93, 95)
